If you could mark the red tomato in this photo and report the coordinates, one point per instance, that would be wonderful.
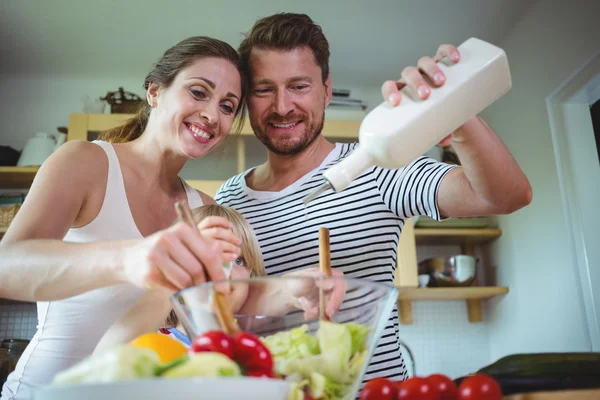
(257, 373)
(444, 385)
(251, 353)
(378, 389)
(217, 341)
(416, 388)
(479, 387)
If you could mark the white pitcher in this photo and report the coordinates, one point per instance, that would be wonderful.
(39, 147)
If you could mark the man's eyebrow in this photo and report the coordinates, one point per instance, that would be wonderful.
(265, 81)
(301, 78)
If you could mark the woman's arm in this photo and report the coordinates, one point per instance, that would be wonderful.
(147, 315)
(35, 269)
(36, 265)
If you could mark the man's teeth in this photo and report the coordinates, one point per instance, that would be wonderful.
(199, 132)
(285, 126)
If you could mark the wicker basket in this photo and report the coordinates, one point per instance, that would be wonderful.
(7, 214)
(122, 102)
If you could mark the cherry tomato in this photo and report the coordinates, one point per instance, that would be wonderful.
(479, 387)
(216, 341)
(416, 388)
(444, 385)
(378, 389)
(257, 373)
(251, 353)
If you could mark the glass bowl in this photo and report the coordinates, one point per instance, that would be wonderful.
(299, 304)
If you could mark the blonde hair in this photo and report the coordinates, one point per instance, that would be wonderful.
(250, 248)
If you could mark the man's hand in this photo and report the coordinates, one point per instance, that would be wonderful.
(421, 79)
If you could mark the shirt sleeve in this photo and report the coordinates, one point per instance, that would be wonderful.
(412, 190)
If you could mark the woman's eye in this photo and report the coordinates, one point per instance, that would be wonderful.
(227, 108)
(198, 94)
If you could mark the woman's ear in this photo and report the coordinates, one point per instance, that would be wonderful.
(152, 94)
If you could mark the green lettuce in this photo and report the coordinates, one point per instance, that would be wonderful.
(328, 368)
(123, 362)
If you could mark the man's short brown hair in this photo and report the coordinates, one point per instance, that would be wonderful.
(286, 31)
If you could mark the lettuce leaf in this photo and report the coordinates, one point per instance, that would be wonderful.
(123, 362)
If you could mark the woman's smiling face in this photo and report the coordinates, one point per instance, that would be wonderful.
(199, 107)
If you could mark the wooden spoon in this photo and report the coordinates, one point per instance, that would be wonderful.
(221, 305)
(324, 267)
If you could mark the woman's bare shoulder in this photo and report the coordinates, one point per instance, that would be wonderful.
(206, 199)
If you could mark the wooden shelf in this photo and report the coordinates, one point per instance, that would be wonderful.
(472, 295)
(17, 177)
(457, 236)
(451, 293)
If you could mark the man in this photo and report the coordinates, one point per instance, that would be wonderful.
(286, 58)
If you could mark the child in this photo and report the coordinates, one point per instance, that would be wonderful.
(153, 311)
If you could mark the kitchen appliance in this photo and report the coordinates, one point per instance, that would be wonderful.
(392, 137)
(454, 271)
(39, 148)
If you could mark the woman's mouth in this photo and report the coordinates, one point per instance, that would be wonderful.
(200, 135)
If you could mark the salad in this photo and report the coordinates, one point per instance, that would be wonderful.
(325, 366)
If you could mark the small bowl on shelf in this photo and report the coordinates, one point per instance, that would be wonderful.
(454, 271)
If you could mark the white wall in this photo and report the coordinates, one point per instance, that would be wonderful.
(40, 103)
(542, 312)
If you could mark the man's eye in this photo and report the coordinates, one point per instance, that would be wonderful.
(261, 91)
(300, 87)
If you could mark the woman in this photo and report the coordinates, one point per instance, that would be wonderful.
(116, 201)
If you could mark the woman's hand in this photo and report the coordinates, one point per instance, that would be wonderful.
(304, 293)
(178, 257)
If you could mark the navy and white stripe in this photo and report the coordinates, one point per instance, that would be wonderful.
(364, 220)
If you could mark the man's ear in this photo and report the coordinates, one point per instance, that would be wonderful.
(152, 94)
(328, 90)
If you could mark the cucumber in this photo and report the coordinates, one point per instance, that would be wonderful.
(531, 384)
(545, 365)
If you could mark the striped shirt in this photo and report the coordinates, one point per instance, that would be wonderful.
(364, 220)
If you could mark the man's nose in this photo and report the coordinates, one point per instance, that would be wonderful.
(283, 103)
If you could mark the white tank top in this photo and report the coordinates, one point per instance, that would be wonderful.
(69, 329)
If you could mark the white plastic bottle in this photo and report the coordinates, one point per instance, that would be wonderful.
(392, 137)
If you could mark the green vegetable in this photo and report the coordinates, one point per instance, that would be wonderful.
(328, 367)
(204, 364)
(292, 344)
(359, 335)
(162, 368)
(124, 362)
(545, 364)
